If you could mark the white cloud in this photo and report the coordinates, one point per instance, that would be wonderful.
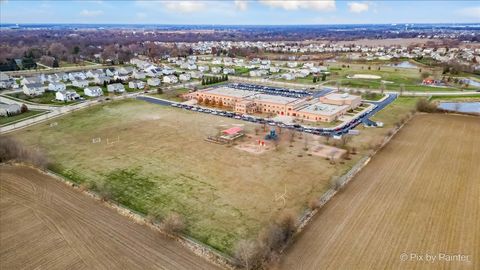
(241, 5)
(357, 7)
(321, 5)
(185, 6)
(91, 13)
(471, 12)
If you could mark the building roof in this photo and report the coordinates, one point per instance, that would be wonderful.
(337, 96)
(323, 109)
(227, 91)
(232, 130)
(274, 98)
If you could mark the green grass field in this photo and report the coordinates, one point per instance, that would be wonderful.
(47, 98)
(395, 76)
(16, 118)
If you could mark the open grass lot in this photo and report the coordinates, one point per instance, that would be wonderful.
(410, 77)
(18, 117)
(171, 94)
(162, 164)
(419, 195)
(46, 225)
(46, 98)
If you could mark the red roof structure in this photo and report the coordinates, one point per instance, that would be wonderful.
(232, 130)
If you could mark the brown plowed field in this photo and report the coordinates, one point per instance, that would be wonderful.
(47, 225)
(419, 196)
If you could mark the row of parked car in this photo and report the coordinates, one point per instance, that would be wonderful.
(285, 92)
(313, 130)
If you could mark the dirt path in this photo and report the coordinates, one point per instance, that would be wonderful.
(419, 196)
(47, 225)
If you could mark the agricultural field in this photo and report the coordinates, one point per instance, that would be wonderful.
(154, 159)
(45, 224)
(419, 195)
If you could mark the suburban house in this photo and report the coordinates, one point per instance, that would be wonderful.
(139, 75)
(66, 95)
(6, 81)
(288, 76)
(292, 64)
(196, 74)
(33, 89)
(102, 79)
(153, 71)
(30, 80)
(53, 86)
(257, 73)
(136, 84)
(62, 76)
(185, 77)
(168, 71)
(80, 83)
(154, 82)
(203, 68)
(170, 79)
(274, 69)
(116, 88)
(95, 73)
(93, 91)
(216, 70)
(74, 76)
(228, 71)
(125, 71)
(9, 109)
(111, 72)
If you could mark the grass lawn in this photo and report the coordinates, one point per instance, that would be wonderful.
(173, 94)
(395, 76)
(372, 96)
(47, 98)
(16, 118)
(456, 98)
(241, 70)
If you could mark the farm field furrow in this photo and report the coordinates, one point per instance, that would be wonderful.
(419, 196)
(46, 225)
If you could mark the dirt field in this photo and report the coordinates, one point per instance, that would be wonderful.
(47, 225)
(163, 164)
(419, 196)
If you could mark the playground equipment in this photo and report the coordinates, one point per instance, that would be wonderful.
(272, 135)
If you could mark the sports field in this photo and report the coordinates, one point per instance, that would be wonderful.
(420, 196)
(46, 225)
(157, 161)
(393, 77)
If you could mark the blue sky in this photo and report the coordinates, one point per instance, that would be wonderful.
(239, 12)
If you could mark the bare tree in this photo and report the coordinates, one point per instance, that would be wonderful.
(306, 142)
(331, 156)
(402, 89)
(292, 137)
(346, 139)
(247, 253)
(173, 223)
